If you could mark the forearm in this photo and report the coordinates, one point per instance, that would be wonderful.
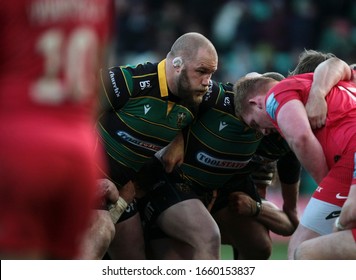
(173, 154)
(290, 193)
(289, 171)
(275, 219)
(329, 73)
(266, 213)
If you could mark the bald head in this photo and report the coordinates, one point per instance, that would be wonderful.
(188, 45)
(190, 65)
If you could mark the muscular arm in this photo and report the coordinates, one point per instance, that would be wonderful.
(289, 170)
(275, 219)
(326, 75)
(173, 153)
(270, 215)
(101, 230)
(294, 124)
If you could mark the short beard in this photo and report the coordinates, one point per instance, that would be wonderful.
(185, 93)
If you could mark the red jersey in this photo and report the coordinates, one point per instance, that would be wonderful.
(341, 117)
(337, 137)
(50, 55)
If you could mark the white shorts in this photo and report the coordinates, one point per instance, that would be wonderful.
(320, 216)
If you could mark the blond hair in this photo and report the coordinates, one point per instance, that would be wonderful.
(247, 88)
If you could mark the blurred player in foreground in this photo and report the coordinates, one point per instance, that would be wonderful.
(51, 51)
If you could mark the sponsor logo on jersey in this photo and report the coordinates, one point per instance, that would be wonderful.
(319, 189)
(271, 106)
(339, 196)
(220, 163)
(227, 101)
(180, 119)
(333, 215)
(114, 85)
(137, 142)
(222, 125)
(145, 84)
(146, 108)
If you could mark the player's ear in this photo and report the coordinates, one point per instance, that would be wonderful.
(252, 102)
(258, 100)
(177, 62)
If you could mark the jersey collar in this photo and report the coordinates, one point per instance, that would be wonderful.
(162, 78)
(163, 87)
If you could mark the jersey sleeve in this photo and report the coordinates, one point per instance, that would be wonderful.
(116, 87)
(212, 97)
(294, 87)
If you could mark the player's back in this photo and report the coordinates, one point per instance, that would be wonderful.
(49, 54)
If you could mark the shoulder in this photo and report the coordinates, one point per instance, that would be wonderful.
(219, 92)
(138, 70)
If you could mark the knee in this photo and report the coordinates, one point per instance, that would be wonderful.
(208, 240)
(302, 252)
(211, 237)
(105, 228)
(256, 251)
(262, 252)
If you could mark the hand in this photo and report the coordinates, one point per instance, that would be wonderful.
(242, 204)
(292, 215)
(316, 109)
(107, 191)
(173, 154)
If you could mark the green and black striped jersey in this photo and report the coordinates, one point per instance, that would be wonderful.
(144, 116)
(218, 145)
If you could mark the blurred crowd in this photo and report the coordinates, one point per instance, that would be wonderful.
(250, 35)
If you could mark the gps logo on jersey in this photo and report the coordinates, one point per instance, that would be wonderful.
(137, 142)
(145, 84)
(226, 101)
(113, 82)
(220, 163)
(333, 215)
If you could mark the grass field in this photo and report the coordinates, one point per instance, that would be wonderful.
(279, 251)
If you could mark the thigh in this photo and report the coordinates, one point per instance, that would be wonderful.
(48, 194)
(187, 220)
(128, 242)
(246, 234)
(300, 235)
(167, 248)
(340, 246)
